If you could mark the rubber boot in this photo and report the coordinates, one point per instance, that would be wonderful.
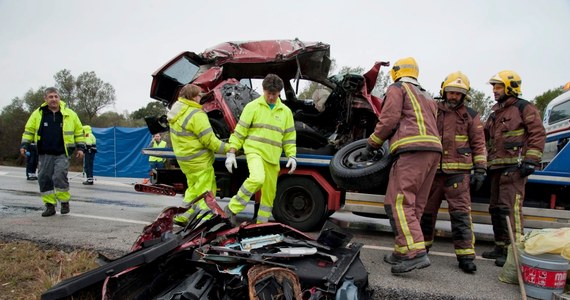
(467, 264)
(64, 208)
(50, 210)
(180, 220)
(406, 265)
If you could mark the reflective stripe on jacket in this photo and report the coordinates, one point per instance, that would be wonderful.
(514, 136)
(462, 139)
(408, 119)
(192, 136)
(266, 132)
(72, 128)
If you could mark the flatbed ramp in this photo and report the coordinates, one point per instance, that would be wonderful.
(370, 204)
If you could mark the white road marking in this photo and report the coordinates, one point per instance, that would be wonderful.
(430, 253)
(110, 219)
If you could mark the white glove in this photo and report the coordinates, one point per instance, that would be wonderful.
(292, 163)
(231, 161)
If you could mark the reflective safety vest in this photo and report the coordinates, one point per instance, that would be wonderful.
(265, 131)
(192, 136)
(72, 128)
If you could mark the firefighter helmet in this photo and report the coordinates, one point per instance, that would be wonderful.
(455, 82)
(405, 67)
(511, 80)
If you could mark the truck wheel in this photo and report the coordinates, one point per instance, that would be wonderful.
(299, 203)
(351, 173)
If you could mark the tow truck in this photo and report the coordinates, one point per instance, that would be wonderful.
(329, 139)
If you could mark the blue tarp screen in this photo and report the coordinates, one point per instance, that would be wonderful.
(119, 152)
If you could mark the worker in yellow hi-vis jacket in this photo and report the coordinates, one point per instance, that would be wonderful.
(265, 130)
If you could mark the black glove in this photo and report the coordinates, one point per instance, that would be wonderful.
(368, 152)
(477, 179)
(526, 169)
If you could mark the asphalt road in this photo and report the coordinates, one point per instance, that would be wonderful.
(110, 215)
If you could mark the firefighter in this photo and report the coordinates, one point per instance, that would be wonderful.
(463, 142)
(408, 121)
(57, 131)
(194, 143)
(265, 130)
(89, 158)
(515, 139)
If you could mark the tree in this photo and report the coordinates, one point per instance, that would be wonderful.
(480, 103)
(65, 83)
(542, 100)
(153, 108)
(92, 95)
(12, 121)
(33, 99)
(382, 82)
(110, 119)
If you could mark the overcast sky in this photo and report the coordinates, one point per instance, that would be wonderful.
(124, 42)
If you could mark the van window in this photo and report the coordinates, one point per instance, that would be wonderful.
(559, 113)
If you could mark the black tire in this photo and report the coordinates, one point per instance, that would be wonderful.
(220, 128)
(299, 203)
(351, 173)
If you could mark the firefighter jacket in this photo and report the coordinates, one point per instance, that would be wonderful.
(192, 136)
(462, 139)
(265, 131)
(407, 119)
(72, 129)
(90, 139)
(514, 134)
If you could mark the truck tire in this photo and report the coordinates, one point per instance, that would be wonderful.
(350, 173)
(299, 203)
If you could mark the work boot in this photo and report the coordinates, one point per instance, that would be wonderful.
(180, 221)
(406, 265)
(50, 210)
(392, 259)
(497, 252)
(467, 265)
(231, 216)
(500, 261)
(64, 208)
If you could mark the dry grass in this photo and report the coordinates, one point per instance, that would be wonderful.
(26, 270)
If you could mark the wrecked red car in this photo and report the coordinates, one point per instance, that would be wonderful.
(338, 110)
(330, 112)
(210, 259)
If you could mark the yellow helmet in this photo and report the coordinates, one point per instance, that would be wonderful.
(511, 80)
(405, 67)
(455, 82)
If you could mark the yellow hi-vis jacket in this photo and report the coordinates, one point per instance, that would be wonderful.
(192, 136)
(72, 128)
(266, 132)
(90, 139)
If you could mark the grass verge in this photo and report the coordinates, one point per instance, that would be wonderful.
(27, 270)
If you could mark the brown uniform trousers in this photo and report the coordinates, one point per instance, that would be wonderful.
(455, 189)
(411, 177)
(507, 197)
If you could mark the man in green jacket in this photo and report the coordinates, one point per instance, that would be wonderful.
(57, 132)
(265, 130)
